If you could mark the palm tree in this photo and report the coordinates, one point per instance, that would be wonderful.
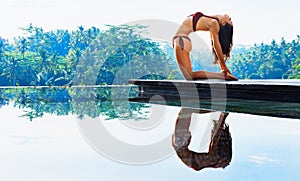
(22, 46)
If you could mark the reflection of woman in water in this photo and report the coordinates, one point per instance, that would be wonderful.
(220, 148)
(221, 32)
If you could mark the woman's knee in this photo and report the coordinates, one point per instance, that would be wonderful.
(188, 75)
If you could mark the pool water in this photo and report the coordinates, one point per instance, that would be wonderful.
(76, 134)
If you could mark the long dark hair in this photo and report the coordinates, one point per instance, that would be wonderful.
(225, 39)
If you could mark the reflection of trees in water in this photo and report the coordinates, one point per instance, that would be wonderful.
(220, 148)
(3, 99)
(80, 101)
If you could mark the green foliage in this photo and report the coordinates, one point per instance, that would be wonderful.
(93, 64)
(81, 57)
(273, 61)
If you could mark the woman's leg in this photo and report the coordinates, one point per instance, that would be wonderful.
(185, 66)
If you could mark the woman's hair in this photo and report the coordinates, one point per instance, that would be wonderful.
(225, 38)
(218, 156)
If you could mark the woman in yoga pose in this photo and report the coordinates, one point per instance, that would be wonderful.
(221, 31)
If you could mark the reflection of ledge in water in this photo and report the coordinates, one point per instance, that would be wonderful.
(279, 98)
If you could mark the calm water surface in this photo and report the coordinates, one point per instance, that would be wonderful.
(45, 135)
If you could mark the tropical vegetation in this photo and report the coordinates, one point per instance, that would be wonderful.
(85, 71)
(82, 57)
(277, 60)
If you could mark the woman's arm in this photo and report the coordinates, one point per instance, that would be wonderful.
(214, 29)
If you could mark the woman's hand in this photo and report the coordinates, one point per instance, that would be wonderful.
(229, 76)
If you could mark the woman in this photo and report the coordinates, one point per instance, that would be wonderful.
(221, 30)
(220, 148)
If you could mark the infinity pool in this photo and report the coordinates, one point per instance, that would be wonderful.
(81, 134)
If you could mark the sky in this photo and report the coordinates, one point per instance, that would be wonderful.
(254, 21)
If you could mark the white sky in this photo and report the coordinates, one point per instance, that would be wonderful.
(255, 21)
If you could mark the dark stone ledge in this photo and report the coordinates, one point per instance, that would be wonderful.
(279, 98)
